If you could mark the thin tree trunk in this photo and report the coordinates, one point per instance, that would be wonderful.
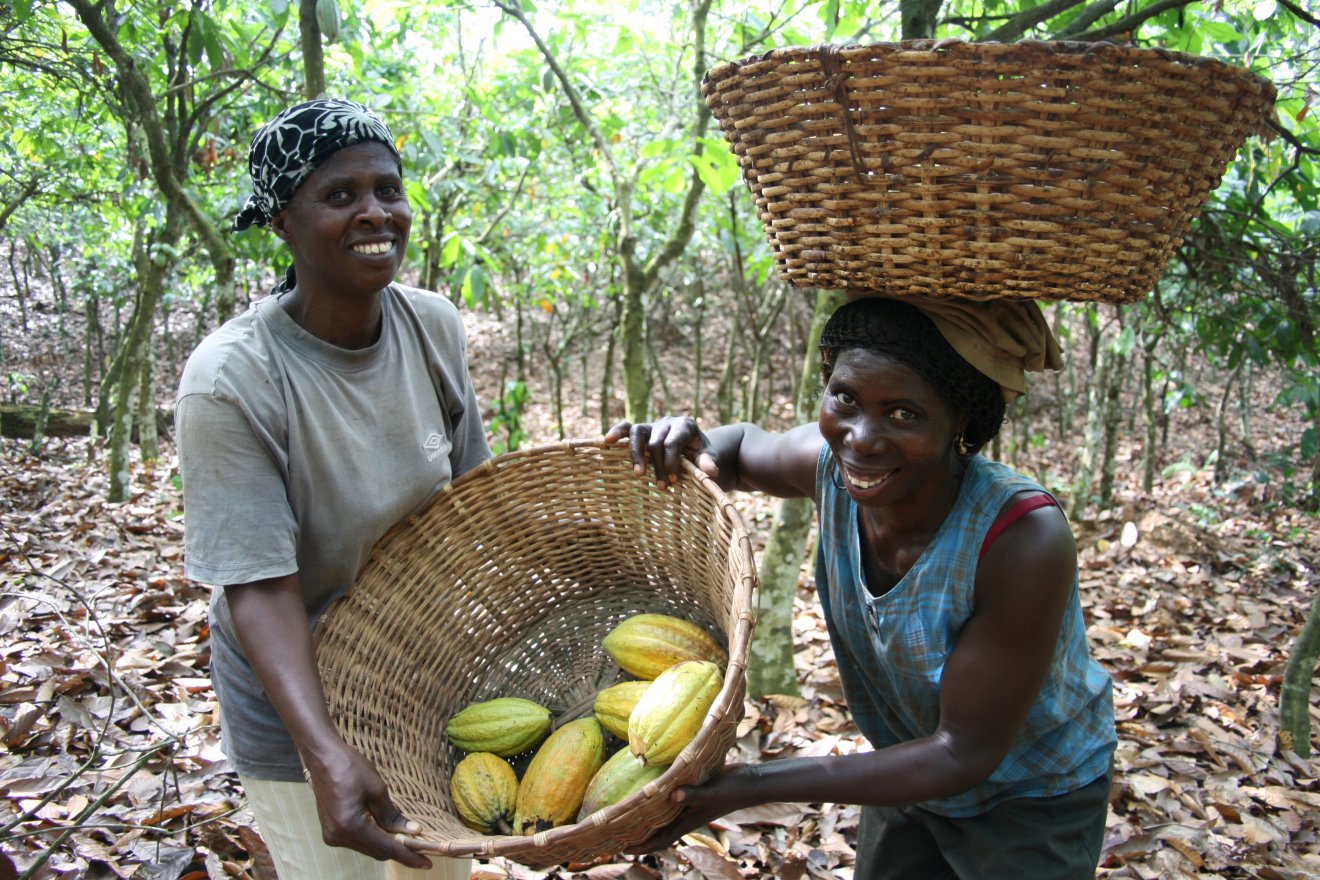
(1092, 436)
(148, 439)
(309, 33)
(725, 394)
(1295, 694)
(698, 363)
(1113, 417)
(770, 667)
(1151, 453)
(1221, 425)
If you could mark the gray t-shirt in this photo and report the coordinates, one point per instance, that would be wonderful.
(297, 456)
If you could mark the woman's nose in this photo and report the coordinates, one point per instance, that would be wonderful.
(374, 212)
(865, 437)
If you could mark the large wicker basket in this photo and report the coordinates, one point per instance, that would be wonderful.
(504, 586)
(1027, 170)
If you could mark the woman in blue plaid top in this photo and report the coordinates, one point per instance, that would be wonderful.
(949, 585)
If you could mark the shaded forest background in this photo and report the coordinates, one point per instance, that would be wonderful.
(573, 197)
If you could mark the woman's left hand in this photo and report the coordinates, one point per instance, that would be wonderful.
(702, 804)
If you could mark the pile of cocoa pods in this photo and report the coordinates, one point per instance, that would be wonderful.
(677, 670)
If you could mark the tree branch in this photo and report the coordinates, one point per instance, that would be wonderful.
(513, 10)
(1019, 24)
(1299, 12)
(1133, 21)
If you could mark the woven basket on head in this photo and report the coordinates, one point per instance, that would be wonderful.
(504, 586)
(1025, 170)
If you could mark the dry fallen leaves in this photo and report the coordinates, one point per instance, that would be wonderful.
(110, 763)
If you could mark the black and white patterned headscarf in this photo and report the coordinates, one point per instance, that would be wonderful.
(290, 147)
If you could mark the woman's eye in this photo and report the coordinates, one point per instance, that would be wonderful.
(339, 196)
(903, 415)
(845, 398)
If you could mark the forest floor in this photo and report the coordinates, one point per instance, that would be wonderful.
(110, 763)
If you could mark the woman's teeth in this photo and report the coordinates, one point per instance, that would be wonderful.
(866, 484)
(382, 248)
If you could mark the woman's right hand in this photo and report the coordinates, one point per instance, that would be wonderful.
(356, 811)
(664, 443)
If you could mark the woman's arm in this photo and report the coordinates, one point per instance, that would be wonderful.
(990, 682)
(742, 456)
(352, 800)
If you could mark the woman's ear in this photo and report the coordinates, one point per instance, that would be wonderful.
(279, 225)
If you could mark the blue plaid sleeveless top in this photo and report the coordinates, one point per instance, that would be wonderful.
(891, 649)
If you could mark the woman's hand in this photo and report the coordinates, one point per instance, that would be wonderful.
(664, 443)
(731, 790)
(356, 811)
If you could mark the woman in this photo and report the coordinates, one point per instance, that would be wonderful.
(949, 586)
(307, 427)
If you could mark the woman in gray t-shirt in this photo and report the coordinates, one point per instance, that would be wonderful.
(308, 426)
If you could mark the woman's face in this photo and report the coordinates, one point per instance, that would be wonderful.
(890, 431)
(347, 225)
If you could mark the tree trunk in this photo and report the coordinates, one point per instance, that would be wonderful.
(309, 34)
(1113, 417)
(1221, 424)
(1150, 458)
(725, 392)
(25, 422)
(770, 662)
(1092, 437)
(148, 439)
(1295, 695)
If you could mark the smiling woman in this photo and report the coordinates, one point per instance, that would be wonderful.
(949, 585)
(307, 427)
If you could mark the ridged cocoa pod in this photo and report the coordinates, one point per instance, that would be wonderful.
(645, 645)
(505, 726)
(485, 792)
(670, 713)
(617, 778)
(615, 703)
(552, 789)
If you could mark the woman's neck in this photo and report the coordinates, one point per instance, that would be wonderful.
(346, 323)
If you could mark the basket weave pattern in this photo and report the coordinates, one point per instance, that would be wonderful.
(982, 170)
(505, 585)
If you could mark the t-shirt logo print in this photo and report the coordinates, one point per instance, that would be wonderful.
(434, 446)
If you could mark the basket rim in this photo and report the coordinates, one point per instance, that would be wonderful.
(572, 841)
(1098, 51)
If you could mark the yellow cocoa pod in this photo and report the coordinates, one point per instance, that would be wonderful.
(617, 778)
(615, 703)
(552, 789)
(645, 645)
(504, 726)
(485, 791)
(670, 713)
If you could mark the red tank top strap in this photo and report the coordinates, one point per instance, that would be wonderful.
(1012, 514)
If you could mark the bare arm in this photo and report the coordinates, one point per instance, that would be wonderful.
(351, 799)
(742, 456)
(990, 682)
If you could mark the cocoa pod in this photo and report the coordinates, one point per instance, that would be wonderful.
(645, 645)
(556, 780)
(485, 791)
(504, 726)
(617, 778)
(615, 703)
(670, 714)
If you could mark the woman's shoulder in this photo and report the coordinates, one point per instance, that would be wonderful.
(997, 477)
(235, 349)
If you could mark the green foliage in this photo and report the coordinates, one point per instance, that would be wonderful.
(513, 195)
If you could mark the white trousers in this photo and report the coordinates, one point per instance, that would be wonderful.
(286, 818)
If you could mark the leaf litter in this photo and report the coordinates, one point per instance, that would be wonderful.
(110, 764)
